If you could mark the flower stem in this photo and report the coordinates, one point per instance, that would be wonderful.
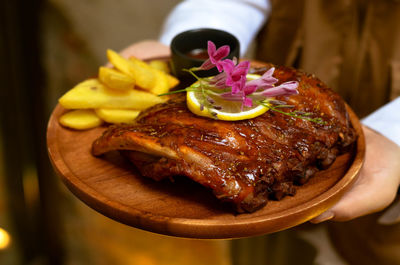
(294, 114)
(173, 92)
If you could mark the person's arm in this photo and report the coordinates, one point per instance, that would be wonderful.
(242, 18)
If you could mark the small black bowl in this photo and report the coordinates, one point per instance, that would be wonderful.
(187, 42)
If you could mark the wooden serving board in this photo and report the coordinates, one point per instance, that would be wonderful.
(113, 187)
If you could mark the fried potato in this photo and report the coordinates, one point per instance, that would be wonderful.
(80, 119)
(145, 76)
(138, 70)
(163, 66)
(172, 81)
(117, 115)
(161, 84)
(115, 79)
(160, 65)
(92, 94)
(163, 81)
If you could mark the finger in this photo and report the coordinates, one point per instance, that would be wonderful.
(365, 197)
(325, 216)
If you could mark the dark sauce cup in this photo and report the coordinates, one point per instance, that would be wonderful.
(189, 49)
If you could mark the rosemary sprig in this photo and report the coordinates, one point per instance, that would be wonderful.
(295, 114)
(176, 92)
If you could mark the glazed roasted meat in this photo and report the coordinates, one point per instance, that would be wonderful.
(243, 162)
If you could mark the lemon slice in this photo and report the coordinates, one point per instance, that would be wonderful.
(214, 107)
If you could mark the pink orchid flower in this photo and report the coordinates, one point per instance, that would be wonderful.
(231, 75)
(265, 85)
(216, 56)
(243, 91)
(266, 80)
(284, 89)
(235, 74)
(219, 80)
(248, 90)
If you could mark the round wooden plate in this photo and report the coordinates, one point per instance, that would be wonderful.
(113, 187)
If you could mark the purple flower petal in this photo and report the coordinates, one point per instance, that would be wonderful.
(237, 82)
(235, 87)
(285, 89)
(219, 80)
(266, 80)
(249, 89)
(269, 73)
(237, 74)
(216, 55)
(248, 102)
(243, 66)
(211, 48)
(228, 65)
(207, 65)
(221, 53)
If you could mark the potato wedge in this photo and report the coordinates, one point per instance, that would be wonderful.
(117, 116)
(163, 81)
(92, 94)
(163, 67)
(138, 70)
(160, 65)
(161, 84)
(115, 79)
(172, 81)
(80, 119)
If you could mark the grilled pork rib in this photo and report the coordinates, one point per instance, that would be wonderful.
(242, 162)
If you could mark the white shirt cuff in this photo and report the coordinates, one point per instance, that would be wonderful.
(386, 120)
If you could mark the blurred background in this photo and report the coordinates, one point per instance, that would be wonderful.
(46, 47)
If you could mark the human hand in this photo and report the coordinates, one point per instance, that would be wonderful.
(377, 184)
(146, 49)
